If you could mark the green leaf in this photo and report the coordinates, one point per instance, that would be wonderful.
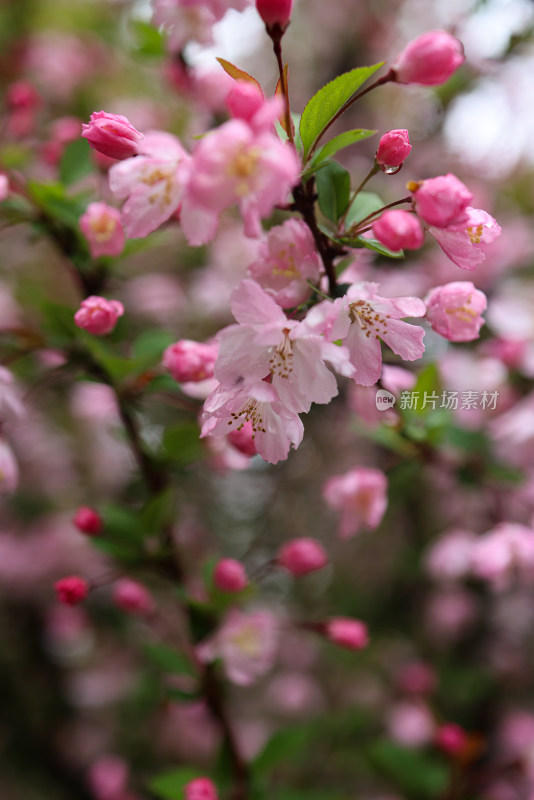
(53, 200)
(284, 747)
(170, 785)
(333, 188)
(414, 773)
(378, 247)
(338, 143)
(364, 203)
(327, 102)
(123, 534)
(159, 511)
(76, 162)
(148, 40)
(169, 660)
(181, 442)
(149, 346)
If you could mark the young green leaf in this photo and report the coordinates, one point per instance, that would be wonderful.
(333, 188)
(76, 162)
(338, 143)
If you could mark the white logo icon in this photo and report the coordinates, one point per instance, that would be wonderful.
(384, 400)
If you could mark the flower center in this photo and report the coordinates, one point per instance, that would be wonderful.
(103, 228)
(249, 413)
(475, 233)
(242, 168)
(281, 361)
(369, 320)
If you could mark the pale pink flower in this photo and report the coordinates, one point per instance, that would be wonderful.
(455, 311)
(362, 317)
(399, 230)
(505, 552)
(187, 360)
(442, 201)
(360, 495)
(152, 182)
(410, 723)
(98, 315)
(112, 135)
(416, 677)
(234, 164)
(246, 642)
(191, 20)
(108, 778)
(393, 148)
(466, 243)
(11, 405)
(4, 186)
(448, 558)
(101, 226)
(9, 469)
(287, 260)
(429, 60)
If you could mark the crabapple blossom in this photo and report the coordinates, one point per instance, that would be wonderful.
(450, 738)
(152, 183)
(347, 632)
(448, 558)
(229, 575)
(132, 597)
(455, 311)
(466, 243)
(416, 677)
(360, 495)
(362, 317)
(245, 101)
(246, 642)
(302, 556)
(442, 201)
(200, 789)
(191, 20)
(189, 361)
(72, 590)
(101, 226)
(501, 553)
(235, 164)
(112, 135)
(393, 148)
(98, 315)
(11, 404)
(399, 230)
(4, 187)
(429, 60)
(287, 261)
(9, 469)
(275, 12)
(108, 778)
(410, 723)
(88, 521)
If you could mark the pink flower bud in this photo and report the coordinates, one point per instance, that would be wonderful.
(201, 789)
(302, 556)
(88, 521)
(9, 469)
(98, 315)
(454, 310)
(441, 201)
(112, 135)
(108, 778)
(230, 575)
(132, 597)
(244, 100)
(451, 738)
(275, 12)
(101, 225)
(399, 230)
(429, 60)
(22, 95)
(71, 590)
(393, 148)
(347, 632)
(190, 361)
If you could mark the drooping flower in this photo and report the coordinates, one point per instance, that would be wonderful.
(441, 201)
(466, 243)
(287, 260)
(246, 642)
(152, 183)
(112, 135)
(101, 226)
(235, 164)
(360, 495)
(455, 310)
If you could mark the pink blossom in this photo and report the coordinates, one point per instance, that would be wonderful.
(245, 101)
(393, 148)
(189, 361)
(347, 632)
(112, 135)
(362, 317)
(466, 243)
(275, 12)
(287, 260)
(246, 642)
(360, 495)
(11, 404)
(505, 551)
(230, 576)
(235, 164)
(451, 738)
(302, 556)
(200, 789)
(88, 521)
(72, 590)
(442, 201)
(416, 677)
(152, 183)
(191, 20)
(429, 60)
(101, 226)
(455, 311)
(132, 597)
(4, 186)
(399, 230)
(22, 95)
(410, 723)
(9, 469)
(98, 315)
(448, 558)
(108, 778)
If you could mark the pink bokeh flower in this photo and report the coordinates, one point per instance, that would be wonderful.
(101, 226)
(200, 789)
(98, 315)
(360, 495)
(455, 311)
(9, 468)
(189, 361)
(132, 597)
(229, 575)
(347, 632)
(88, 521)
(505, 552)
(72, 590)
(302, 556)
